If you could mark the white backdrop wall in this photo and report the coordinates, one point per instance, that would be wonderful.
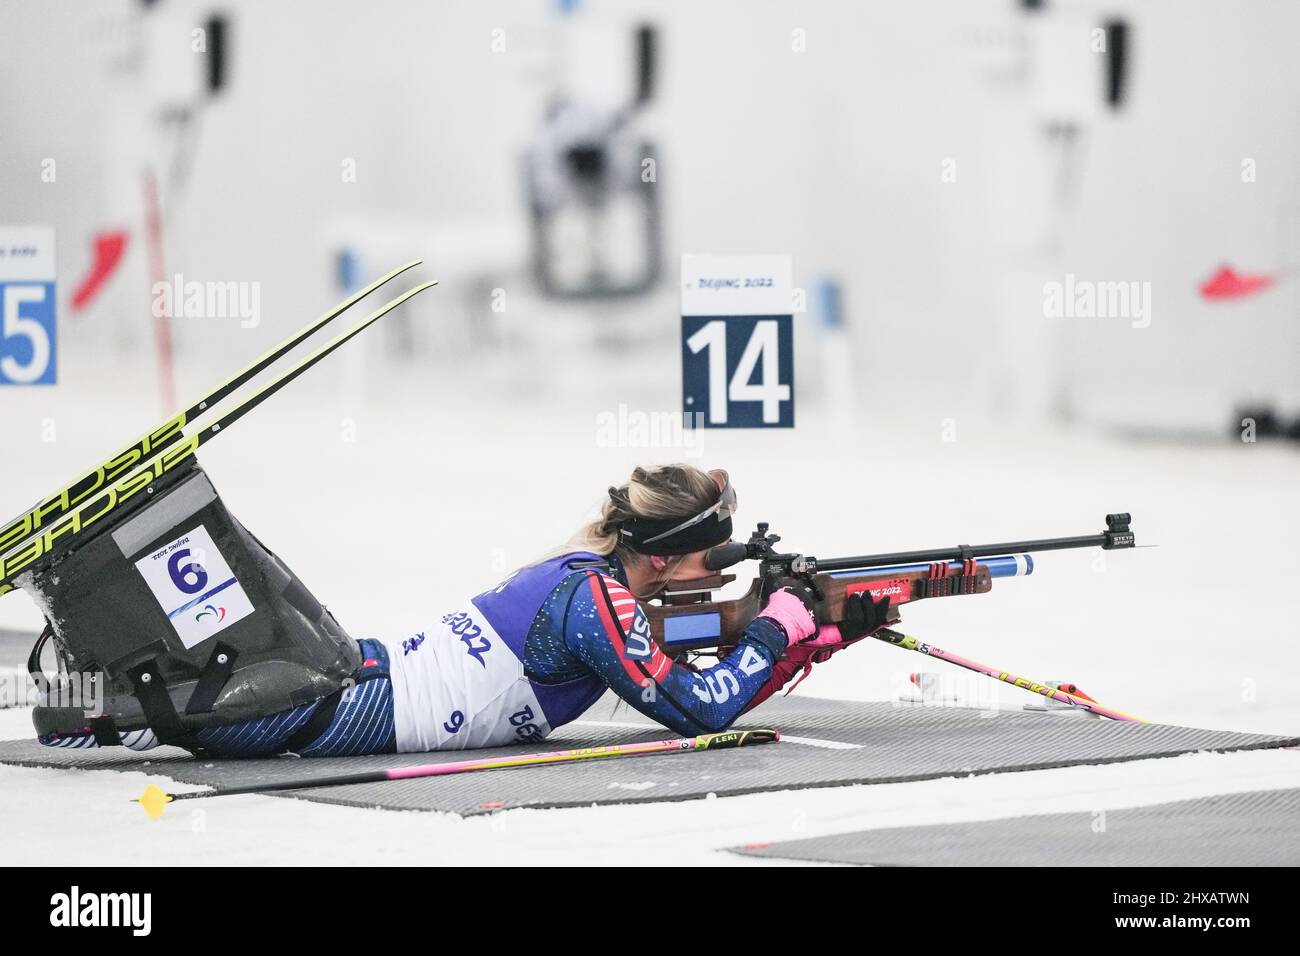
(833, 154)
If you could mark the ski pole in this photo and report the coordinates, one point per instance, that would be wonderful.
(910, 643)
(154, 799)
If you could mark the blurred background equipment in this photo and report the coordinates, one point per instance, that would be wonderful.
(108, 249)
(935, 172)
(592, 196)
(161, 67)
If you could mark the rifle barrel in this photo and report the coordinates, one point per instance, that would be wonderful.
(863, 561)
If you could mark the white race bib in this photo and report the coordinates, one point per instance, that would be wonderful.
(457, 685)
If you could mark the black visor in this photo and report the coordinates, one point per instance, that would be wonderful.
(672, 536)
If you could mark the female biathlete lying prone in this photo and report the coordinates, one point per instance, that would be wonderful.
(538, 650)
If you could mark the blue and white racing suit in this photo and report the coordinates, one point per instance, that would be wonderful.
(512, 664)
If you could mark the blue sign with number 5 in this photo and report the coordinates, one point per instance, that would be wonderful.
(27, 333)
(738, 371)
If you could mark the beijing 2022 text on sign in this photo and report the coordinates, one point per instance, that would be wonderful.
(737, 341)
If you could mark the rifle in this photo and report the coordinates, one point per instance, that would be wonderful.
(687, 618)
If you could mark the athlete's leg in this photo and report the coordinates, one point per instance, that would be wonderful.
(356, 720)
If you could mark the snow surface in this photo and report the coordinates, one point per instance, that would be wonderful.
(88, 817)
(395, 495)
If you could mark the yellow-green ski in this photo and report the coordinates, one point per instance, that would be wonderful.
(162, 460)
(167, 433)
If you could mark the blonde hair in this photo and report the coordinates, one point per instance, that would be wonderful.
(666, 491)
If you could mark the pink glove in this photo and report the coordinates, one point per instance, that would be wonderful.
(787, 610)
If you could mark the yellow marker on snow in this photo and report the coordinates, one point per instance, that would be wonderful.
(154, 800)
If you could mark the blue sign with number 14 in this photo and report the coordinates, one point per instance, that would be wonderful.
(738, 371)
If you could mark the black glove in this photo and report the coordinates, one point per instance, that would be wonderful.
(862, 615)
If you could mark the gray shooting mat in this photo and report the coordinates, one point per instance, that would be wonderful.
(1259, 828)
(831, 743)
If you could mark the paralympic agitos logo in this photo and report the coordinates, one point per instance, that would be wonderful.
(211, 610)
